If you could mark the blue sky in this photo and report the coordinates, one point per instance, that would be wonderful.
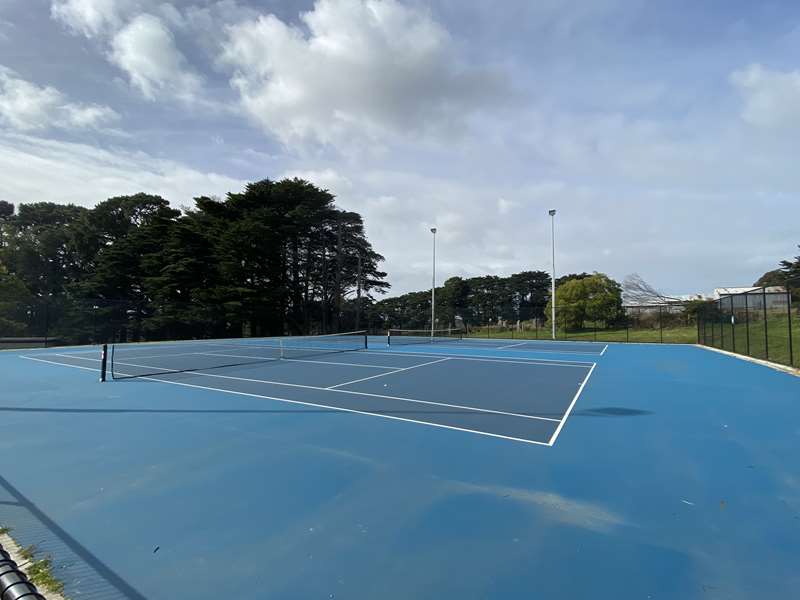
(664, 133)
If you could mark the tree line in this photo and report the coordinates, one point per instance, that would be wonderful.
(521, 297)
(278, 258)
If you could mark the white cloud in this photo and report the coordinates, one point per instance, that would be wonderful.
(26, 106)
(638, 161)
(138, 37)
(145, 49)
(328, 179)
(5, 27)
(771, 98)
(69, 166)
(365, 69)
(90, 17)
(505, 206)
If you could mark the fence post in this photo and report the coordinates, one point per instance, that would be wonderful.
(747, 322)
(46, 322)
(789, 321)
(713, 336)
(733, 327)
(660, 324)
(721, 326)
(699, 317)
(698, 330)
(766, 326)
(705, 330)
(627, 328)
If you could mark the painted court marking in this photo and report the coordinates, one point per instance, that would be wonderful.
(478, 357)
(551, 442)
(425, 364)
(316, 362)
(544, 350)
(308, 387)
(511, 345)
(569, 408)
(547, 362)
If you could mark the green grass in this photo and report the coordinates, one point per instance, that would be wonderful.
(5, 530)
(773, 347)
(674, 335)
(40, 570)
(733, 338)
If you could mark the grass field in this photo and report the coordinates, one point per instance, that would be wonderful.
(750, 339)
(734, 338)
(673, 335)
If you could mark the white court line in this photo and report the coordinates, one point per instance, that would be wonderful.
(482, 340)
(303, 360)
(325, 389)
(545, 362)
(260, 358)
(52, 362)
(604, 350)
(569, 409)
(479, 347)
(325, 406)
(433, 362)
(530, 350)
(509, 346)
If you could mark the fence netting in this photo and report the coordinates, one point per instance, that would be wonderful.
(762, 323)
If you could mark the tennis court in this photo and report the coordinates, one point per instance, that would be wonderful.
(402, 337)
(352, 468)
(340, 372)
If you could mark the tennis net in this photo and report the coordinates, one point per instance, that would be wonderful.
(398, 337)
(128, 361)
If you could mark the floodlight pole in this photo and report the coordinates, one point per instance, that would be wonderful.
(358, 294)
(552, 214)
(433, 285)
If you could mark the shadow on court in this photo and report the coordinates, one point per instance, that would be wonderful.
(84, 575)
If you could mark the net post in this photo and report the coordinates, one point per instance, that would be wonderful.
(388, 337)
(103, 362)
(366, 344)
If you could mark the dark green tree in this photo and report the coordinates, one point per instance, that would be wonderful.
(596, 298)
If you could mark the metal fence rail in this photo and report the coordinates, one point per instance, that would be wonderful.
(673, 322)
(758, 323)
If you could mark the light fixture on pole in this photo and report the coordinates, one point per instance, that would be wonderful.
(433, 285)
(552, 214)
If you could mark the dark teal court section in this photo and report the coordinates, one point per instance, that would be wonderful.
(674, 475)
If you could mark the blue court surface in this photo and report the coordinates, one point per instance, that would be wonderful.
(467, 469)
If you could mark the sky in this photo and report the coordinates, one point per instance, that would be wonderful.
(665, 134)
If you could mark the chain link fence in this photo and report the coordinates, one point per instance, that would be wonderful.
(59, 321)
(762, 323)
(674, 322)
